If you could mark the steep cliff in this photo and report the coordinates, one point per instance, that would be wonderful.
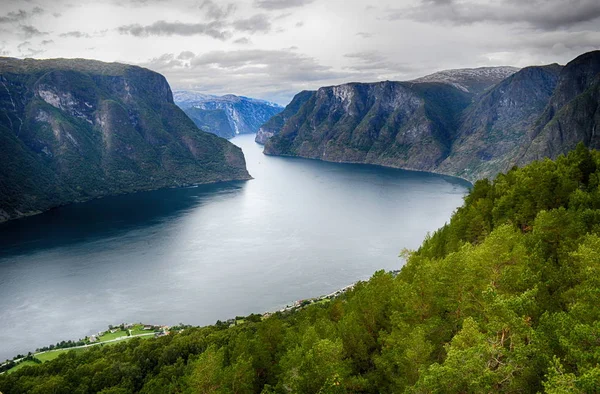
(226, 116)
(388, 123)
(573, 113)
(75, 129)
(495, 127)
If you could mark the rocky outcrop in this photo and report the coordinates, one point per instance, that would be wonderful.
(74, 129)
(226, 116)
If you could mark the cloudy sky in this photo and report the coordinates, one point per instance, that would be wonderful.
(272, 49)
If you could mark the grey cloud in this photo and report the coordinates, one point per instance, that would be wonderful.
(280, 4)
(186, 55)
(256, 24)
(33, 52)
(22, 45)
(376, 63)
(47, 42)
(214, 11)
(540, 14)
(20, 15)
(242, 41)
(214, 29)
(30, 31)
(75, 34)
(363, 34)
(259, 73)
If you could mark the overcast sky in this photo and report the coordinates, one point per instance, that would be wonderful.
(272, 49)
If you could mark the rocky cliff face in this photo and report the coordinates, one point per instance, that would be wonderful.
(387, 123)
(74, 129)
(464, 125)
(572, 115)
(226, 116)
(494, 128)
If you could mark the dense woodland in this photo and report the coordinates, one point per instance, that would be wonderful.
(504, 298)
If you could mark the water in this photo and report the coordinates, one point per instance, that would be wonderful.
(301, 228)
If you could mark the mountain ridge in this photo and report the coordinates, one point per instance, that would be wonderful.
(514, 121)
(244, 114)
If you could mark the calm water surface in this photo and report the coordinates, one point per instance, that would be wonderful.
(301, 228)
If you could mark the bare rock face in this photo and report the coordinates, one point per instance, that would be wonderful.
(495, 127)
(74, 129)
(389, 123)
(573, 113)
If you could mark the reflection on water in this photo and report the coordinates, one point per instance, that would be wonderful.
(301, 228)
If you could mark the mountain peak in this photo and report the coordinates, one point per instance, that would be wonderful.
(471, 80)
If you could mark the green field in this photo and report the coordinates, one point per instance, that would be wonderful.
(51, 355)
(139, 329)
(21, 365)
(110, 336)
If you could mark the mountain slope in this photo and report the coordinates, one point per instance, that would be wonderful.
(573, 113)
(389, 123)
(75, 129)
(275, 123)
(244, 115)
(495, 127)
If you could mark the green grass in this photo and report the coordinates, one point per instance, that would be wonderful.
(139, 329)
(21, 365)
(110, 336)
(51, 355)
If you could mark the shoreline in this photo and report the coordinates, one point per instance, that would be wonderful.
(165, 330)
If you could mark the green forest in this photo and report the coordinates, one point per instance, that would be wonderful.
(504, 298)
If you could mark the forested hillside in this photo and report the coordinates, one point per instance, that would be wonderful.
(502, 299)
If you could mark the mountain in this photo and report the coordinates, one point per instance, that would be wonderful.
(469, 123)
(226, 116)
(275, 123)
(573, 113)
(494, 128)
(397, 124)
(74, 129)
(471, 80)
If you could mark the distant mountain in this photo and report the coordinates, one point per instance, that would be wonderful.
(75, 129)
(471, 80)
(471, 123)
(226, 116)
